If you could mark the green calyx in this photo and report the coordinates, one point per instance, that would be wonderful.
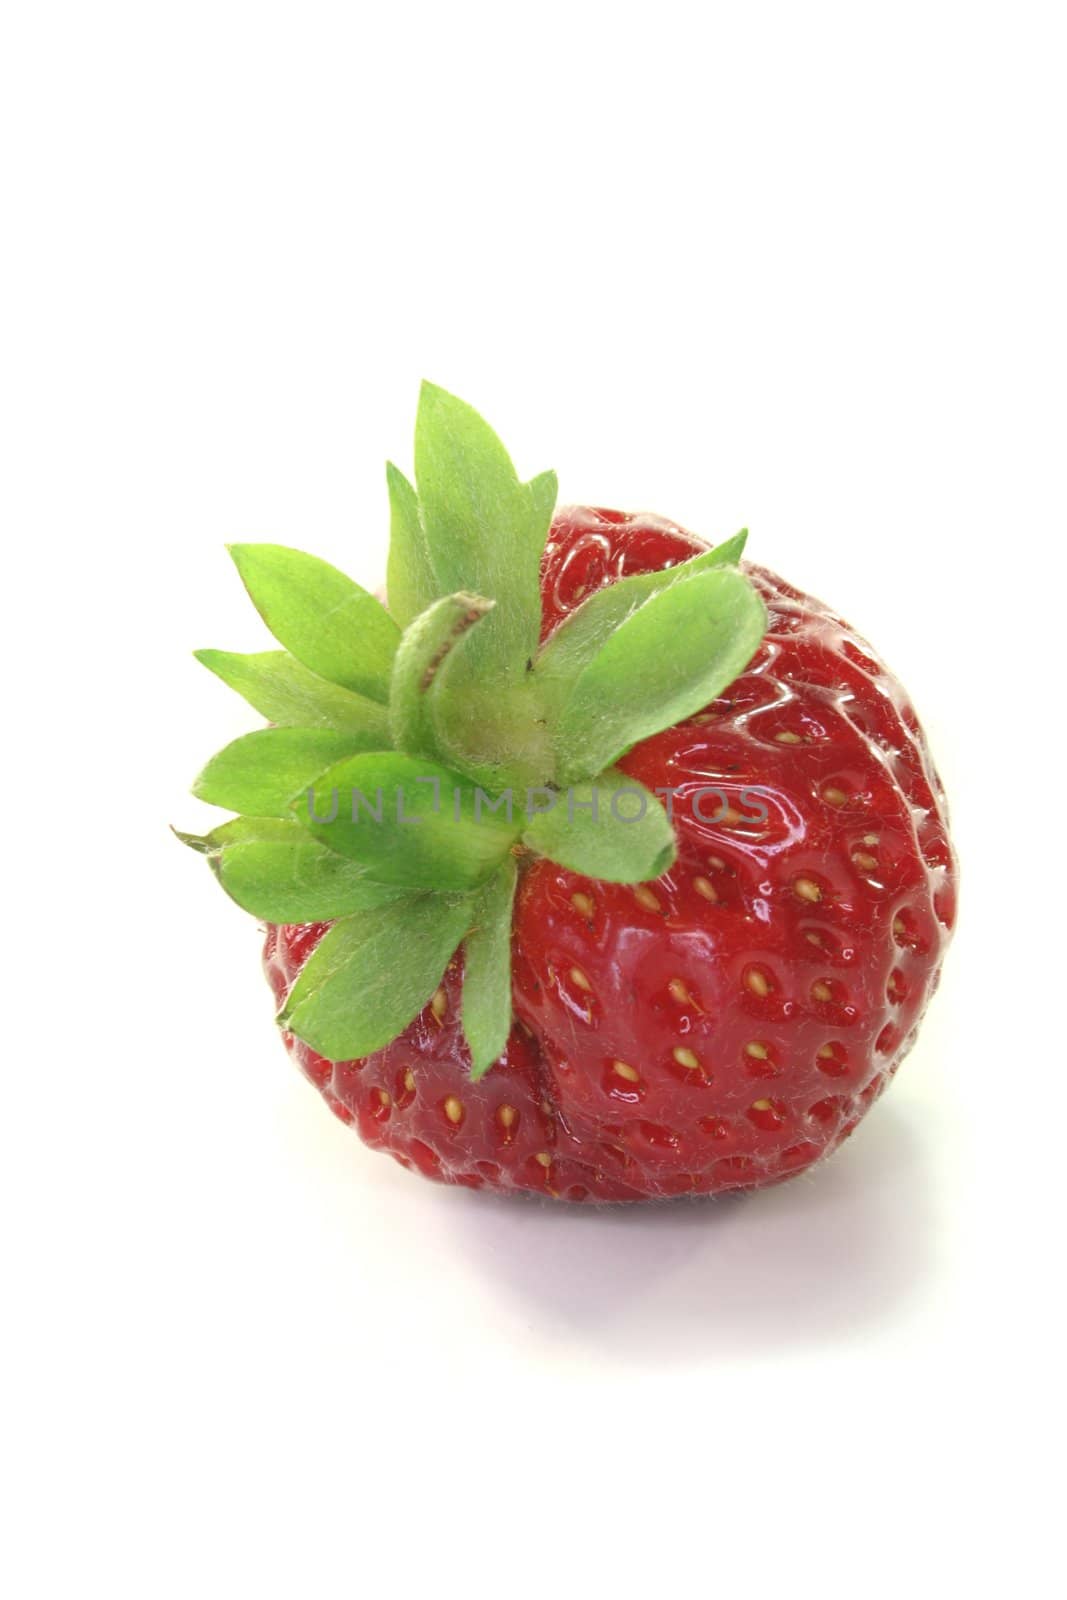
(417, 755)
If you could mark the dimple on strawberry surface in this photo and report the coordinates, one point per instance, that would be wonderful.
(724, 1025)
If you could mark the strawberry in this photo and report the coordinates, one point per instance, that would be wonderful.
(700, 945)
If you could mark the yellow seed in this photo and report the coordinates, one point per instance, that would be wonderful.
(899, 927)
(686, 1058)
(834, 796)
(506, 1116)
(622, 1069)
(678, 991)
(821, 991)
(729, 818)
(439, 1004)
(703, 887)
(826, 1052)
(646, 899)
(385, 1097)
(870, 838)
(814, 938)
(786, 737)
(757, 982)
(409, 1082)
(716, 863)
(544, 1158)
(761, 1105)
(759, 1051)
(579, 979)
(454, 1109)
(584, 905)
(807, 889)
(863, 859)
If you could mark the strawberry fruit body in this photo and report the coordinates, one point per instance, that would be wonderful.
(622, 1033)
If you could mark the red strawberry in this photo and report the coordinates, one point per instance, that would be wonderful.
(719, 1026)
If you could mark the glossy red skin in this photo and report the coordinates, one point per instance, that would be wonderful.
(792, 957)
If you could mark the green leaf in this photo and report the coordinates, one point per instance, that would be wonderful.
(424, 649)
(241, 830)
(727, 554)
(288, 695)
(613, 828)
(263, 772)
(485, 531)
(496, 732)
(370, 976)
(543, 493)
(486, 1003)
(579, 637)
(275, 870)
(409, 821)
(324, 619)
(201, 843)
(410, 582)
(668, 658)
(298, 882)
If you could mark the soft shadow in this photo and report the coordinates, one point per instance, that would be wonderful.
(814, 1261)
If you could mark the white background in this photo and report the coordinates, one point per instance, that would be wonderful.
(795, 267)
